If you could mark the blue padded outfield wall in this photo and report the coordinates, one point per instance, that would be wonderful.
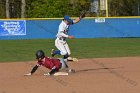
(86, 28)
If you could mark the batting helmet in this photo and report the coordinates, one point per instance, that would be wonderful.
(40, 54)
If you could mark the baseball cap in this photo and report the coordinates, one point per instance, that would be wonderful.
(67, 17)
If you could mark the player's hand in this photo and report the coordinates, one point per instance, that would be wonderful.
(29, 74)
(47, 74)
(70, 36)
(71, 71)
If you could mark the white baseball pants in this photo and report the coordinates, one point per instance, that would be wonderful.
(62, 46)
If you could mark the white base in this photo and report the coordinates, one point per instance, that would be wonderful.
(61, 74)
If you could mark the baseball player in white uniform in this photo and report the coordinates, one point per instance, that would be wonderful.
(62, 35)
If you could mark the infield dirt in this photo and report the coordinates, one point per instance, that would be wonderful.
(97, 75)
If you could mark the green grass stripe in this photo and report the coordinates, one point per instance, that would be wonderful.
(24, 50)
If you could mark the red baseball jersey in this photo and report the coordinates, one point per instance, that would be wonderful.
(50, 63)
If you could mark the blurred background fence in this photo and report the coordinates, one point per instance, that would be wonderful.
(59, 8)
(87, 28)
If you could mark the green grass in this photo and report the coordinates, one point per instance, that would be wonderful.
(24, 50)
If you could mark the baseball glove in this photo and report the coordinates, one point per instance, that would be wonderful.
(82, 15)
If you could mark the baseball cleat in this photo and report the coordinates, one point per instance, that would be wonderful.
(72, 59)
(69, 59)
(75, 59)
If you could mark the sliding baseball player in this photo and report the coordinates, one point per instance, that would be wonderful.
(62, 35)
(53, 64)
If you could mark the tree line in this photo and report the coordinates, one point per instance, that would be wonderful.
(59, 8)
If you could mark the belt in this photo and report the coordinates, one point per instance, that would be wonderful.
(60, 38)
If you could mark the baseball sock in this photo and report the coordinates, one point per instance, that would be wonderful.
(66, 56)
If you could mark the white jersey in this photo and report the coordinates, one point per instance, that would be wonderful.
(60, 41)
(63, 30)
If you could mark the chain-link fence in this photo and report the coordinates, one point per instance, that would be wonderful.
(57, 8)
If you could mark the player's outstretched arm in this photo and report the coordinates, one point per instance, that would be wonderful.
(64, 35)
(33, 70)
(76, 20)
(53, 70)
(79, 18)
